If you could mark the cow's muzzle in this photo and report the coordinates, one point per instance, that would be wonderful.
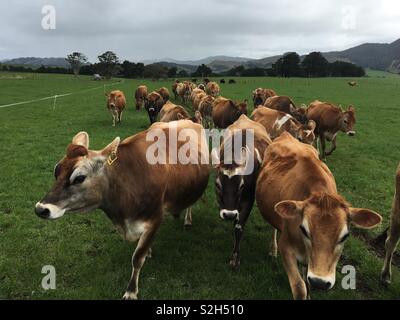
(351, 133)
(229, 214)
(48, 211)
(321, 283)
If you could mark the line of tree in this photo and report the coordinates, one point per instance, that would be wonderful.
(290, 65)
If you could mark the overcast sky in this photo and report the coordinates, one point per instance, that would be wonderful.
(187, 29)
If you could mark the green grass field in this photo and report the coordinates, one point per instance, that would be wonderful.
(91, 259)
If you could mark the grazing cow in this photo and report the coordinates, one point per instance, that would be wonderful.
(393, 233)
(197, 100)
(330, 119)
(285, 104)
(276, 122)
(116, 103)
(352, 83)
(172, 112)
(205, 108)
(153, 104)
(118, 180)
(212, 89)
(140, 96)
(235, 183)
(225, 112)
(260, 95)
(296, 193)
(232, 81)
(222, 81)
(164, 93)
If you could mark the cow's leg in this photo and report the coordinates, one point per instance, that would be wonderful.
(297, 284)
(322, 146)
(238, 233)
(188, 218)
(120, 117)
(113, 120)
(274, 245)
(138, 258)
(333, 147)
(392, 239)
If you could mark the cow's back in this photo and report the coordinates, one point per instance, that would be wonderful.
(224, 113)
(325, 115)
(290, 170)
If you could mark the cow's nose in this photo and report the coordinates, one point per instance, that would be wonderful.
(42, 211)
(351, 133)
(318, 283)
(229, 214)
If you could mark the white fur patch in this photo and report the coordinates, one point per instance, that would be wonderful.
(55, 211)
(133, 230)
(279, 123)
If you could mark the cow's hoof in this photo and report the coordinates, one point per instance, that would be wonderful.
(130, 296)
(187, 225)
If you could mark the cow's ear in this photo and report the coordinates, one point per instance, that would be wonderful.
(311, 125)
(364, 218)
(351, 109)
(180, 116)
(81, 139)
(289, 209)
(112, 147)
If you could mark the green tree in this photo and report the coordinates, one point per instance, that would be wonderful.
(288, 65)
(202, 71)
(76, 60)
(172, 72)
(108, 63)
(155, 71)
(315, 65)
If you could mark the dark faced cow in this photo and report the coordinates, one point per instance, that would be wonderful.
(236, 176)
(153, 104)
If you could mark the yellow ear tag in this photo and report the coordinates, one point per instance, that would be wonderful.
(112, 158)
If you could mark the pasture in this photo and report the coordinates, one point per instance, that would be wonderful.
(91, 259)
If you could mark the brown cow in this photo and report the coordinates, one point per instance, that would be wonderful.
(260, 95)
(140, 96)
(194, 93)
(164, 93)
(235, 179)
(330, 119)
(225, 112)
(118, 180)
(172, 112)
(197, 99)
(213, 89)
(393, 233)
(277, 122)
(174, 87)
(285, 104)
(184, 90)
(296, 193)
(205, 108)
(153, 104)
(116, 103)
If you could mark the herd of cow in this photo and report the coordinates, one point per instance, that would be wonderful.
(294, 189)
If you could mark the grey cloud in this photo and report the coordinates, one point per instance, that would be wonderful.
(150, 29)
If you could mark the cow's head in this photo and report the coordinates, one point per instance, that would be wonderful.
(347, 121)
(259, 97)
(323, 223)
(305, 133)
(299, 114)
(80, 179)
(242, 107)
(233, 179)
(112, 99)
(153, 104)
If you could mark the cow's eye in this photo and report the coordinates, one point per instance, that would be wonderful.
(79, 179)
(344, 238)
(304, 231)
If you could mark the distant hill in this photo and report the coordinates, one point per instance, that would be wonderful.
(378, 56)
